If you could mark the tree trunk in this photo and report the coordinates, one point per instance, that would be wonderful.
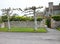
(8, 20)
(35, 21)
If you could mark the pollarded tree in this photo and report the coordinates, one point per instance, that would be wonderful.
(8, 12)
(33, 8)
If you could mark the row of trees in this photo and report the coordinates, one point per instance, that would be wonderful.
(8, 12)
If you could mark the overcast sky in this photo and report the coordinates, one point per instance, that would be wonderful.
(26, 3)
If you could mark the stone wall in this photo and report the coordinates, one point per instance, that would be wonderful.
(2, 25)
(57, 23)
(54, 23)
(25, 23)
(21, 24)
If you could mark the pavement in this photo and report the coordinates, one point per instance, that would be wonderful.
(51, 37)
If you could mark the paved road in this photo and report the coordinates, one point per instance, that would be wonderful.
(52, 37)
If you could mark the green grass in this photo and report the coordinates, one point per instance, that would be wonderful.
(22, 30)
(58, 28)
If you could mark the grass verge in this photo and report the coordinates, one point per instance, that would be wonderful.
(58, 28)
(23, 30)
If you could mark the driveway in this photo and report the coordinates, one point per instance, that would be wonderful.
(51, 37)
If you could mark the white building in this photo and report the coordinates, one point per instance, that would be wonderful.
(52, 9)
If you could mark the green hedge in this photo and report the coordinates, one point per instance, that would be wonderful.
(4, 18)
(24, 19)
(56, 18)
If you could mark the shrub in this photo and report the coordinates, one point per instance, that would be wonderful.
(48, 22)
(39, 19)
(24, 19)
(18, 18)
(4, 18)
(56, 18)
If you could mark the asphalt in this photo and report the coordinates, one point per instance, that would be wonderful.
(51, 37)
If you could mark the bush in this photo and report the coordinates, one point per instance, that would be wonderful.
(48, 22)
(39, 19)
(23, 19)
(18, 18)
(56, 18)
(4, 19)
(14, 19)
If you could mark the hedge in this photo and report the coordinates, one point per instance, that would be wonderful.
(4, 18)
(24, 19)
(56, 18)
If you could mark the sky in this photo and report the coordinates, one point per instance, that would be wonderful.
(26, 3)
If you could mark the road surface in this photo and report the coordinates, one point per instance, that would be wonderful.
(51, 37)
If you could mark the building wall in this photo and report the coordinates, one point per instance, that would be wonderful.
(47, 13)
(51, 9)
(56, 12)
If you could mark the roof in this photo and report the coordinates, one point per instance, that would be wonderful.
(55, 7)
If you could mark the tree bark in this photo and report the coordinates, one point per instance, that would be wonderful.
(35, 21)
